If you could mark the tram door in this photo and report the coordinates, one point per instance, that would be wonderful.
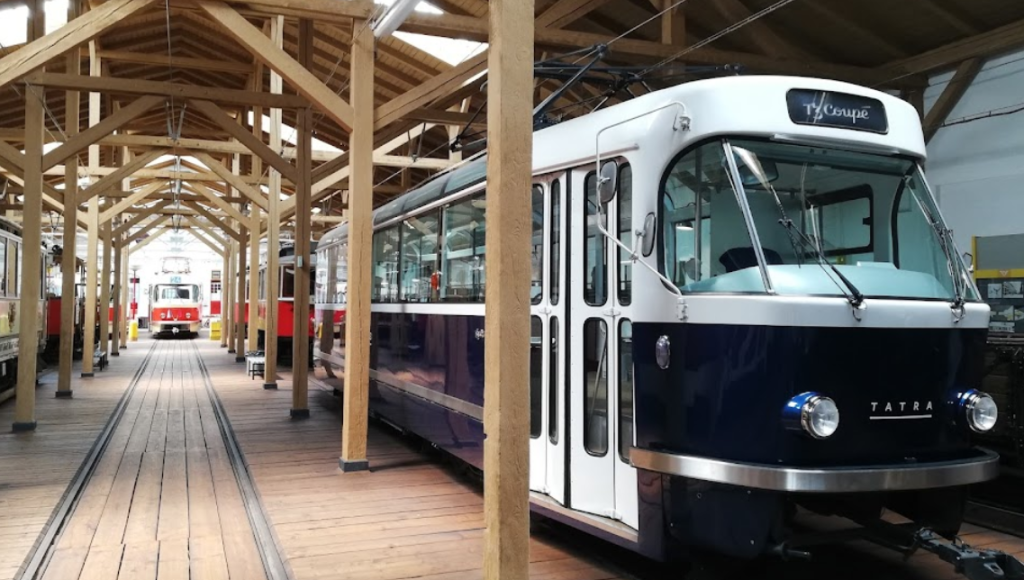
(600, 373)
(547, 367)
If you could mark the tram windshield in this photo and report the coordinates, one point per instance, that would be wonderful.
(176, 292)
(871, 216)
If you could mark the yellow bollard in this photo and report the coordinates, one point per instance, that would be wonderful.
(215, 330)
(133, 330)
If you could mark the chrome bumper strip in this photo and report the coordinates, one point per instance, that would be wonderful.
(821, 480)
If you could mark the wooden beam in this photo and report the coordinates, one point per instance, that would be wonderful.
(116, 86)
(92, 280)
(439, 117)
(240, 306)
(758, 31)
(214, 220)
(355, 408)
(1003, 39)
(93, 134)
(383, 160)
(254, 195)
(507, 326)
(204, 64)
(31, 234)
(209, 231)
(108, 246)
(115, 323)
(217, 201)
(76, 32)
(210, 244)
(253, 143)
(119, 207)
(962, 79)
(114, 178)
(121, 231)
(271, 277)
(564, 12)
(254, 265)
(299, 77)
(156, 233)
(13, 161)
(429, 91)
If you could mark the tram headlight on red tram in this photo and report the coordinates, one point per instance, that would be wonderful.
(812, 413)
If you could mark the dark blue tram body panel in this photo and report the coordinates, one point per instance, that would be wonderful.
(724, 390)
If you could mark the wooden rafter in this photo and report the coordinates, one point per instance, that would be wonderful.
(964, 76)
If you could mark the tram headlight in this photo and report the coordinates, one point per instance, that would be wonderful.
(814, 414)
(980, 410)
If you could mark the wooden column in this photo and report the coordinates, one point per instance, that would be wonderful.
(360, 243)
(303, 161)
(104, 314)
(507, 326)
(122, 321)
(91, 281)
(224, 295)
(92, 221)
(70, 238)
(273, 221)
(115, 325)
(254, 274)
(31, 268)
(240, 298)
(228, 292)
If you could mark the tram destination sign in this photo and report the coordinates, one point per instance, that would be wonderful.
(841, 110)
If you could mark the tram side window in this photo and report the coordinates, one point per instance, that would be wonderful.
(4, 278)
(556, 240)
(595, 292)
(537, 246)
(14, 272)
(698, 246)
(288, 282)
(385, 265)
(340, 279)
(553, 382)
(595, 376)
(419, 258)
(625, 389)
(462, 266)
(320, 278)
(536, 375)
(624, 202)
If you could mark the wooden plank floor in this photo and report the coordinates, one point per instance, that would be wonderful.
(413, 517)
(163, 501)
(36, 467)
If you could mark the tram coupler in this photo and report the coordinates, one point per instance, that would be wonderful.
(975, 564)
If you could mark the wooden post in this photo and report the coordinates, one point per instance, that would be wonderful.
(254, 279)
(360, 242)
(104, 314)
(240, 298)
(115, 323)
(304, 167)
(507, 326)
(273, 222)
(228, 292)
(91, 281)
(224, 295)
(31, 267)
(122, 321)
(70, 238)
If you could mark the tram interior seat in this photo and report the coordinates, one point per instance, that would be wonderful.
(739, 258)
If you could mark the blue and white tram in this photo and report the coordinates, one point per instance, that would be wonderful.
(722, 270)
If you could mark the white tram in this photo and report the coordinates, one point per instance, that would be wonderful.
(721, 270)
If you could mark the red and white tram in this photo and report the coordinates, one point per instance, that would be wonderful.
(175, 300)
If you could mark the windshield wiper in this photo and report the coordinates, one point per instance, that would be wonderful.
(945, 236)
(856, 298)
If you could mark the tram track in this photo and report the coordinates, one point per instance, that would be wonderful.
(46, 546)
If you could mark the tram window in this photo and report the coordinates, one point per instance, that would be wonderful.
(595, 292)
(288, 282)
(595, 375)
(14, 259)
(537, 251)
(462, 265)
(419, 258)
(553, 382)
(4, 278)
(625, 389)
(624, 203)
(385, 265)
(536, 375)
(556, 240)
(340, 279)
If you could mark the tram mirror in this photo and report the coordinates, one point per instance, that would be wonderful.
(609, 181)
(969, 260)
(648, 234)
